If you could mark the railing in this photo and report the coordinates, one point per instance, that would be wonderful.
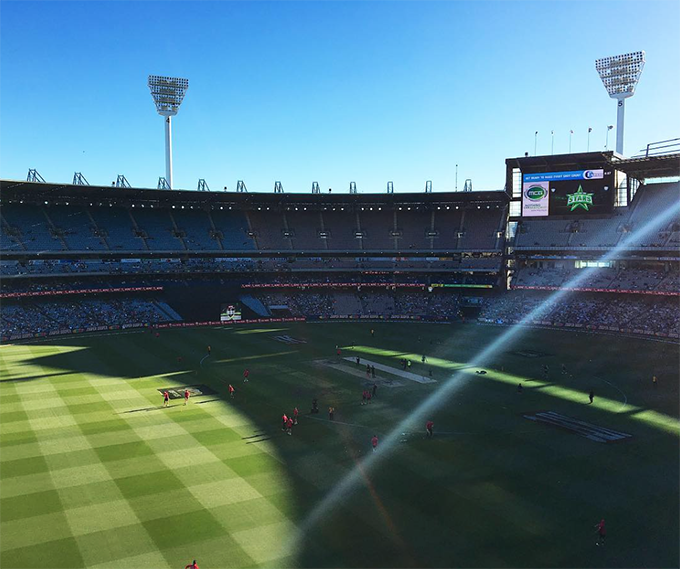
(661, 148)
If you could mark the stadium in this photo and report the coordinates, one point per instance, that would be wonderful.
(153, 339)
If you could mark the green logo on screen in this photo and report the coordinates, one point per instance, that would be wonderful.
(579, 199)
(536, 193)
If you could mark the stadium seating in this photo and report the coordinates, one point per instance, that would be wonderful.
(37, 316)
(341, 229)
(33, 227)
(640, 314)
(118, 228)
(158, 229)
(377, 228)
(233, 228)
(197, 230)
(377, 304)
(76, 228)
(480, 229)
(304, 228)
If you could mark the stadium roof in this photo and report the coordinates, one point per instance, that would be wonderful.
(33, 192)
(667, 166)
(576, 161)
(663, 166)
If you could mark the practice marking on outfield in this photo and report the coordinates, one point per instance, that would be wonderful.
(587, 430)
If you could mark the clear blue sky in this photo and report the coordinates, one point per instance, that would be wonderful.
(323, 91)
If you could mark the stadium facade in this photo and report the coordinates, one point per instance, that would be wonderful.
(77, 257)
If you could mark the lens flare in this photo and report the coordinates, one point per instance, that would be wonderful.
(458, 379)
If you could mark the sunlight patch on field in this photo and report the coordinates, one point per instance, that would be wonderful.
(259, 331)
(649, 417)
(415, 358)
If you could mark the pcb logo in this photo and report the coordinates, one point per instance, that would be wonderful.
(580, 199)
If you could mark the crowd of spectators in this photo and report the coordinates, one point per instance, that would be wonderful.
(379, 304)
(248, 265)
(640, 313)
(34, 317)
(630, 278)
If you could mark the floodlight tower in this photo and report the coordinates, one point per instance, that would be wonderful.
(620, 75)
(167, 93)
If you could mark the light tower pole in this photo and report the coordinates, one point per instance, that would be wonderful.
(168, 93)
(620, 75)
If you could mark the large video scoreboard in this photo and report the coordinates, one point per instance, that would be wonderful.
(574, 193)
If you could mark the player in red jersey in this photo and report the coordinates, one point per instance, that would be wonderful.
(429, 426)
(289, 426)
(601, 532)
(193, 565)
(374, 442)
(166, 399)
(246, 374)
(368, 395)
(295, 416)
(363, 397)
(186, 396)
(284, 420)
(231, 391)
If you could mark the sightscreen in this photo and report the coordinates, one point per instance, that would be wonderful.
(574, 193)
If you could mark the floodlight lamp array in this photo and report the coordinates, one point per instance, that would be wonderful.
(620, 74)
(167, 93)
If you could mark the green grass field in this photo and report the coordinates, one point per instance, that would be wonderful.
(95, 473)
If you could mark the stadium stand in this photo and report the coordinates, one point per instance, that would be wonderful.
(76, 227)
(199, 235)
(158, 229)
(428, 241)
(364, 304)
(232, 228)
(118, 228)
(637, 314)
(32, 227)
(38, 316)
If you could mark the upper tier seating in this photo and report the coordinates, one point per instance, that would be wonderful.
(105, 228)
(157, 225)
(33, 227)
(76, 228)
(116, 224)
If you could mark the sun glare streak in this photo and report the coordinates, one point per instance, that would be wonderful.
(374, 495)
(441, 395)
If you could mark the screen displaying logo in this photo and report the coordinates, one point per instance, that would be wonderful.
(572, 192)
(230, 312)
(579, 199)
(535, 199)
(535, 193)
(593, 174)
